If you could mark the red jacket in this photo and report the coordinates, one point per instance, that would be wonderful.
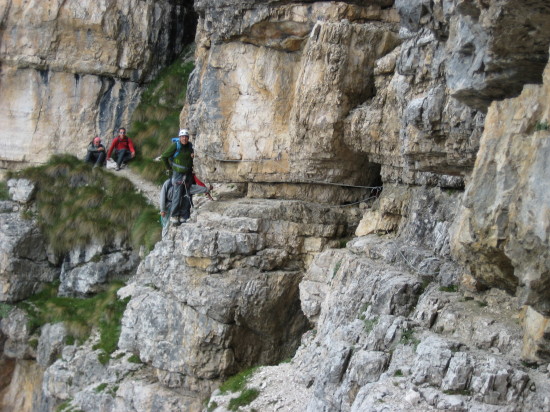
(119, 144)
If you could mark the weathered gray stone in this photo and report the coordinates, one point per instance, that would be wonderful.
(50, 344)
(24, 265)
(15, 328)
(21, 190)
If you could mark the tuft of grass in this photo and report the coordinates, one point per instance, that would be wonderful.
(134, 359)
(237, 382)
(211, 406)
(245, 398)
(336, 268)
(370, 324)
(541, 125)
(156, 119)
(452, 289)
(398, 372)
(77, 205)
(100, 388)
(408, 338)
(5, 309)
(4, 191)
(80, 316)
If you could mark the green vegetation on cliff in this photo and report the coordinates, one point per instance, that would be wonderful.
(156, 119)
(77, 205)
(103, 311)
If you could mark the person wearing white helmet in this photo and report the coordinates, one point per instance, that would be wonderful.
(178, 159)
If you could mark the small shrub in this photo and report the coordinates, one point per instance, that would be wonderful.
(541, 125)
(398, 372)
(33, 343)
(245, 398)
(4, 191)
(408, 338)
(134, 359)
(103, 357)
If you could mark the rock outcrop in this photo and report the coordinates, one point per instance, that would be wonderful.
(71, 70)
(434, 111)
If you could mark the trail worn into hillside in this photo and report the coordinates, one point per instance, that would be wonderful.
(149, 189)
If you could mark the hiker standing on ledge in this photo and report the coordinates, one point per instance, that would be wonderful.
(178, 159)
(124, 148)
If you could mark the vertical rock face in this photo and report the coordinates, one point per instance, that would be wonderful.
(502, 230)
(71, 70)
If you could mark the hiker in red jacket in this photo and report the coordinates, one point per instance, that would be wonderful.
(123, 147)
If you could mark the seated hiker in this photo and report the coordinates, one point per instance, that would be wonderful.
(123, 147)
(96, 153)
(178, 159)
(199, 187)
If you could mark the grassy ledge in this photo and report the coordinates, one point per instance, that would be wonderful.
(77, 205)
(103, 311)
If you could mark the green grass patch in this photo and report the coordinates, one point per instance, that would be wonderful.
(245, 398)
(336, 268)
(134, 359)
(237, 382)
(541, 125)
(77, 206)
(370, 324)
(5, 309)
(103, 311)
(100, 388)
(408, 338)
(156, 119)
(4, 192)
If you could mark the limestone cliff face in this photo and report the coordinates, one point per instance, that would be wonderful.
(71, 70)
(436, 298)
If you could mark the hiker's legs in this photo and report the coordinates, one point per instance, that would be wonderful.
(185, 206)
(178, 192)
(196, 190)
(122, 156)
(89, 158)
(100, 159)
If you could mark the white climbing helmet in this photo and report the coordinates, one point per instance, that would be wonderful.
(184, 132)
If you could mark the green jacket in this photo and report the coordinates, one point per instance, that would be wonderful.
(183, 162)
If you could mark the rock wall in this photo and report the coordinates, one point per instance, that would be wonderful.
(71, 70)
(439, 301)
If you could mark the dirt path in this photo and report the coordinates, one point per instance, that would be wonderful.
(150, 190)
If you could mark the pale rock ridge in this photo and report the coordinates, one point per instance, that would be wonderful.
(72, 69)
(221, 294)
(502, 230)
